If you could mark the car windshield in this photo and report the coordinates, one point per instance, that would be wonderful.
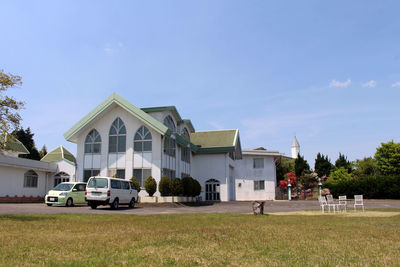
(98, 183)
(63, 187)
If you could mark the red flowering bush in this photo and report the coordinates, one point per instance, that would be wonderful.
(288, 176)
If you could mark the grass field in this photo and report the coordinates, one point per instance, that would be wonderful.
(203, 239)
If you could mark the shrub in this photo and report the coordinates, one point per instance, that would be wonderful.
(369, 186)
(196, 188)
(164, 186)
(187, 183)
(176, 187)
(136, 184)
(150, 185)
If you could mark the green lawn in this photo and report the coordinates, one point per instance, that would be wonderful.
(202, 239)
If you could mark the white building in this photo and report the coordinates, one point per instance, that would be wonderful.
(119, 138)
(26, 180)
(295, 148)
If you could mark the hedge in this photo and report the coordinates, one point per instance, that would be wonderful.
(376, 187)
(150, 185)
(164, 186)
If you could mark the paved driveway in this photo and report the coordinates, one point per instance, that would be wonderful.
(146, 209)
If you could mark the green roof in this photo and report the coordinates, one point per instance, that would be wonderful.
(15, 145)
(115, 99)
(215, 141)
(174, 111)
(58, 154)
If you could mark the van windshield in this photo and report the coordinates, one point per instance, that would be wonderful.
(98, 183)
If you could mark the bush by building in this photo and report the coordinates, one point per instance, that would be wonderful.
(176, 187)
(150, 185)
(164, 186)
(136, 184)
(187, 183)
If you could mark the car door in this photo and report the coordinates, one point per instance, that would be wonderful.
(81, 193)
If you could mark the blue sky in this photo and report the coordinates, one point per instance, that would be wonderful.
(325, 71)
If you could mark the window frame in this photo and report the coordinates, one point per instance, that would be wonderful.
(93, 135)
(31, 179)
(259, 185)
(258, 165)
(118, 126)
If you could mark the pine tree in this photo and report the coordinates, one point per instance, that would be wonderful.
(322, 165)
(301, 166)
(343, 162)
(43, 151)
(26, 138)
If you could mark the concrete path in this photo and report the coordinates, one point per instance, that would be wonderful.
(165, 208)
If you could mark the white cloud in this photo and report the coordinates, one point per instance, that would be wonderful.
(113, 48)
(396, 84)
(335, 83)
(371, 83)
(216, 125)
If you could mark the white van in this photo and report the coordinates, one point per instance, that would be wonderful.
(110, 191)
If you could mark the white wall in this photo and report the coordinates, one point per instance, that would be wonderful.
(211, 166)
(12, 183)
(125, 160)
(246, 175)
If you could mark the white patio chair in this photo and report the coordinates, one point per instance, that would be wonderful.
(331, 203)
(322, 203)
(358, 201)
(343, 203)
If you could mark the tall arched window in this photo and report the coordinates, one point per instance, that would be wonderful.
(93, 142)
(117, 137)
(185, 134)
(169, 143)
(169, 122)
(142, 140)
(30, 179)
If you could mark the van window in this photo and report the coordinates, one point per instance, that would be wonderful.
(115, 184)
(98, 183)
(125, 185)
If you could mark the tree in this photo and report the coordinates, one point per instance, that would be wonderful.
(365, 167)
(136, 184)
(164, 186)
(150, 185)
(188, 185)
(283, 167)
(9, 117)
(196, 188)
(322, 165)
(387, 158)
(26, 138)
(301, 166)
(176, 187)
(340, 174)
(343, 162)
(43, 151)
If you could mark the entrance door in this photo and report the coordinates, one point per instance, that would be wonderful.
(212, 190)
(60, 177)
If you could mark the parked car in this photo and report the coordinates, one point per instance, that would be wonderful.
(110, 191)
(66, 194)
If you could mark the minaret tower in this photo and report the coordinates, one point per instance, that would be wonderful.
(295, 148)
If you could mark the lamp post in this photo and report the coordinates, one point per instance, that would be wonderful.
(319, 186)
(289, 190)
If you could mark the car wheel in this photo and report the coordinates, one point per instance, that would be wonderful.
(69, 202)
(93, 206)
(132, 203)
(48, 204)
(115, 204)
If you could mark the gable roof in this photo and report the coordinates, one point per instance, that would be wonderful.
(116, 99)
(174, 112)
(215, 141)
(13, 144)
(58, 154)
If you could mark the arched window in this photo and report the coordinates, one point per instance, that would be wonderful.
(93, 142)
(169, 143)
(185, 134)
(30, 179)
(117, 137)
(142, 140)
(169, 122)
(61, 177)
